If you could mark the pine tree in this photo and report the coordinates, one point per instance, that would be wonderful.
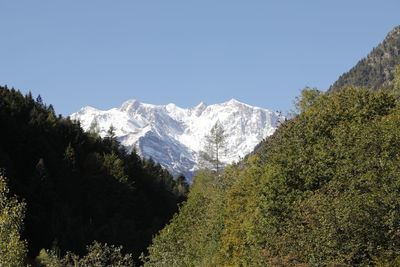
(39, 100)
(182, 186)
(111, 132)
(94, 128)
(215, 146)
(70, 157)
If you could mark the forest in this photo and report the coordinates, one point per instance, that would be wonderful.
(323, 190)
(74, 188)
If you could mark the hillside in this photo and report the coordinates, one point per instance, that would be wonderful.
(78, 187)
(376, 70)
(322, 191)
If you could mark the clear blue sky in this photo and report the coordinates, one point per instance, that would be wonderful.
(100, 53)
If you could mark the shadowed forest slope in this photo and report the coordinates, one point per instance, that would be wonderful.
(78, 187)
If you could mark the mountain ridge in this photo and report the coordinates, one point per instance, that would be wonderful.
(173, 136)
(376, 70)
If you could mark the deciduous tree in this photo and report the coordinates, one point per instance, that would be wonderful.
(12, 247)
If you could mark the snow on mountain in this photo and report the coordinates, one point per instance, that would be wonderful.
(173, 136)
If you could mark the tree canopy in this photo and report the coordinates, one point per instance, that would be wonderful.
(77, 187)
(322, 191)
(12, 247)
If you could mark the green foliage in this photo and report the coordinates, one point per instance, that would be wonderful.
(383, 261)
(77, 186)
(98, 255)
(193, 236)
(307, 99)
(12, 247)
(182, 187)
(70, 157)
(334, 151)
(115, 167)
(322, 191)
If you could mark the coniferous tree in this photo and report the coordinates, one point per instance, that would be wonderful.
(78, 187)
(94, 127)
(39, 100)
(70, 157)
(182, 186)
(111, 132)
(214, 148)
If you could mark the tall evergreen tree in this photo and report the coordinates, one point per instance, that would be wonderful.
(214, 148)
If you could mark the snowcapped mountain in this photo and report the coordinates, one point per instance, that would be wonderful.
(173, 136)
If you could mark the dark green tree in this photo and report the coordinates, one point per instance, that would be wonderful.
(111, 132)
(78, 187)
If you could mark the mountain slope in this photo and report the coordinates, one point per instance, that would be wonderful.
(79, 188)
(322, 191)
(173, 136)
(376, 70)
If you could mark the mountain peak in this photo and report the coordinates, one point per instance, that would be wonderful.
(129, 105)
(233, 101)
(171, 106)
(173, 136)
(201, 104)
(87, 109)
(200, 108)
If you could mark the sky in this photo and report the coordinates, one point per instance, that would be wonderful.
(101, 53)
